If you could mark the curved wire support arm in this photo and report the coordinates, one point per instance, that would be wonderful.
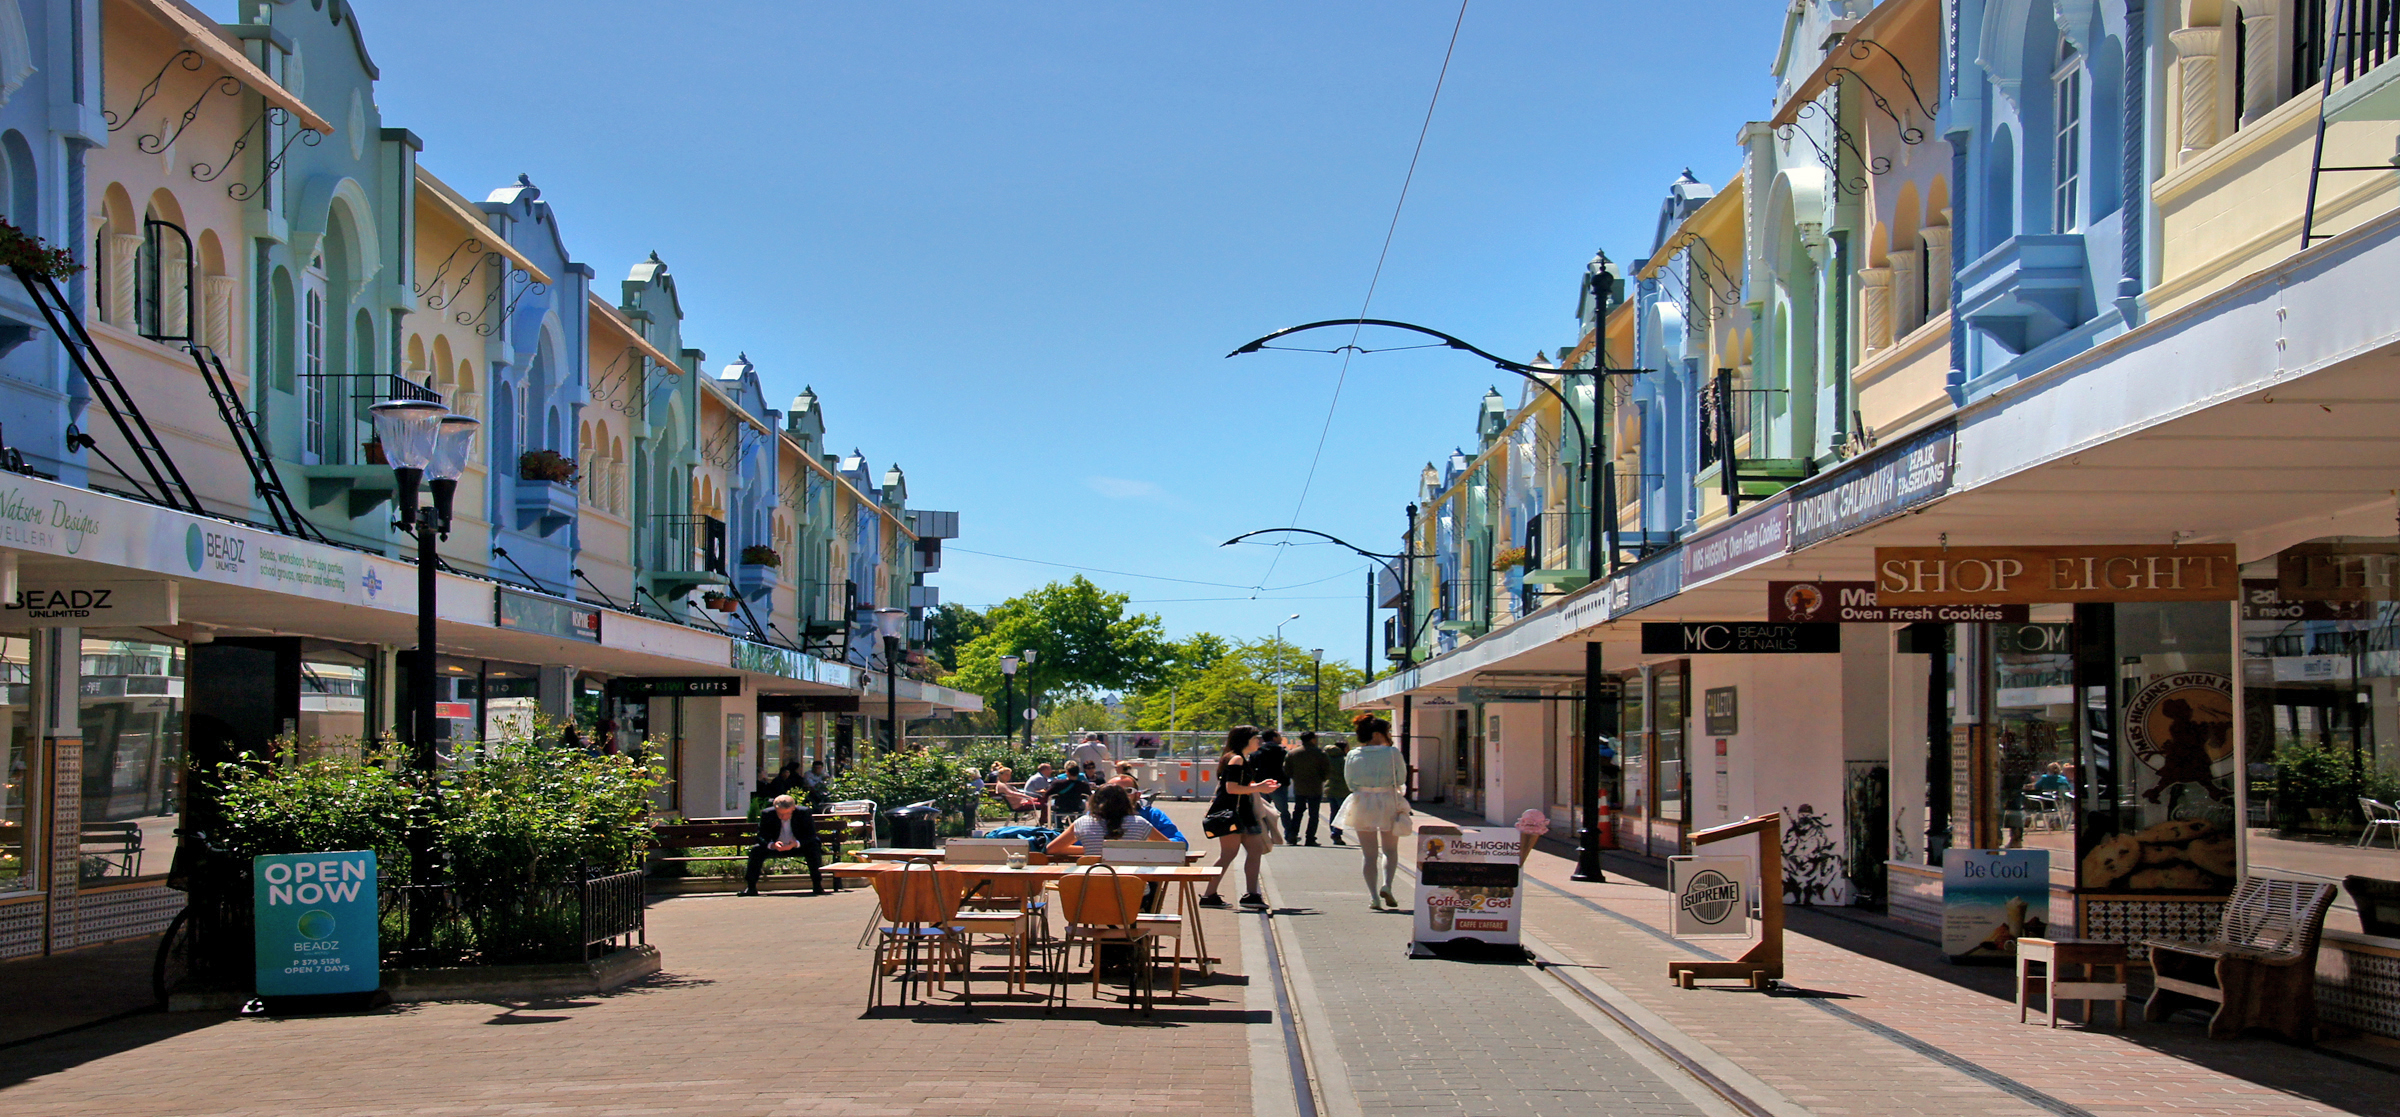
(153, 143)
(1910, 134)
(1537, 376)
(1825, 158)
(1858, 50)
(243, 191)
(188, 58)
(1360, 551)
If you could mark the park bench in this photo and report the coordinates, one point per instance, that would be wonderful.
(113, 846)
(738, 833)
(2259, 969)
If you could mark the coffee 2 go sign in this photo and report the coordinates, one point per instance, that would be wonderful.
(317, 923)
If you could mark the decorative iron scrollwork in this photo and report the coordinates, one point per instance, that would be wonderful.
(482, 320)
(188, 58)
(272, 117)
(1841, 138)
(431, 289)
(152, 143)
(1858, 49)
(721, 450)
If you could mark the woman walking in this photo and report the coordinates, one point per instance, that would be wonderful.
(1237, 817)
(1377, 809)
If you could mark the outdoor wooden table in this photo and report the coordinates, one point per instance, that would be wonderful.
(1184, 877)
(903, 853)
(2093, 955)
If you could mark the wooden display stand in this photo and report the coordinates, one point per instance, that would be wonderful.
(1763, 962)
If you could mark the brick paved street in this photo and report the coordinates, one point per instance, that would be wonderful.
(759, 1012)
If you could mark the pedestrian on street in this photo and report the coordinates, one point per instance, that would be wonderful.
(1307, 766)
(1269, 764)
(1237, 817)
(1378, 805)
(1337, 786)
(1092, 752)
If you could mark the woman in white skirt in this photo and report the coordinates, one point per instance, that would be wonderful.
(1377, 809)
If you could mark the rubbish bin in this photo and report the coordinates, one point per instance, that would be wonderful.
(912, 827)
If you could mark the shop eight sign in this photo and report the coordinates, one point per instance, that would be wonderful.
(2053, 575)
(316, 918)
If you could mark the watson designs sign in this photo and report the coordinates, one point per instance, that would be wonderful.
(2054, 575)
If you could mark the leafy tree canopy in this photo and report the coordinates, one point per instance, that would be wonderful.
(1082, 638)
(1223, 684)
(950, 628)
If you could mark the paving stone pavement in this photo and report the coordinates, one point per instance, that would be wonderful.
(760, 1010)
(1874, 1024)
(1436, 1036)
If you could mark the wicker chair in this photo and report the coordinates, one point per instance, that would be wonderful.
(2260, 969)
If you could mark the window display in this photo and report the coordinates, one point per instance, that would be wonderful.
(132, 717)
(2160, 818)
(17, 745)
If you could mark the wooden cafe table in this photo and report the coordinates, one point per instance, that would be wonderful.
(1186, 878)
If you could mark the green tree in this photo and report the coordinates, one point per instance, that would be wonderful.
(1082, 638)
(1237, 687)
(1075, 714)
(950, 628)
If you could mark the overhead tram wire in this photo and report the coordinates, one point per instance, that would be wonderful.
(1152, 577)
(1373, 280)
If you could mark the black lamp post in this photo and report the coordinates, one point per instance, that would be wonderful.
(1408, 596)
(887, 625)
(1008, 686)
(1028, 656)
(423, 440)
(1316, 690)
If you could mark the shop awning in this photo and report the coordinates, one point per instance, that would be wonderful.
(603, 311)
(1887, 22)
(434, 192)
(202, 34)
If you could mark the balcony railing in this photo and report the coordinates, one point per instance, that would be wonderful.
(693, 543)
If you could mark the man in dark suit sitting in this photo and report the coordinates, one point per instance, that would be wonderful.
(786, 831)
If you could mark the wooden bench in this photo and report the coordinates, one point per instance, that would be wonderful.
(738, 833)
(2260, 968)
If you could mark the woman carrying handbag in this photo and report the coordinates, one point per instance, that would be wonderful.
(1238, 818)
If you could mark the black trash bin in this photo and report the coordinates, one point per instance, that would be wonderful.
(912, 827)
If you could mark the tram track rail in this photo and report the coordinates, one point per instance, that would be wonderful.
(1295, 1047)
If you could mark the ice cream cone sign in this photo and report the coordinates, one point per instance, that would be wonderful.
(1530, 827)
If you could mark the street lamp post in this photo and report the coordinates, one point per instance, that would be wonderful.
(1008, 686)
(424, 441)
(1279, 671)
(887, 625)
(1316, 690)
(1029, 657)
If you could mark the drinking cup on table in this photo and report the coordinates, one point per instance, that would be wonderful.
(1016, 860)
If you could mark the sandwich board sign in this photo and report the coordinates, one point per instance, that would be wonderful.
(317, 923)
(1468, 885)
(1712, 897)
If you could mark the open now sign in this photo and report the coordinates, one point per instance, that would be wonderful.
(316, 923)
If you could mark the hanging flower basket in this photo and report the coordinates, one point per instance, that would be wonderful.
(721, 602)
(1508, 557)
(25, 251)
(759, 554)
(547, 465)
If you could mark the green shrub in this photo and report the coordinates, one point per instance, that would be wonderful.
(360, 801)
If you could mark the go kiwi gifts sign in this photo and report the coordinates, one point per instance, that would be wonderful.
(317, 923)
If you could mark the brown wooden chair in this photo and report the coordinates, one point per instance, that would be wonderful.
(1005, 909)
(916, 931)
(2260, 969)
(1101, 907)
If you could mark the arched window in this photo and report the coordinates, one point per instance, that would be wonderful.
(312, 362)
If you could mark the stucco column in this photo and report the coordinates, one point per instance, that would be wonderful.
(1908, 291)
(1875, 309)
(2196, 60)
(124, 256)
(2260, 64)
(216, 315)
(1937, 267)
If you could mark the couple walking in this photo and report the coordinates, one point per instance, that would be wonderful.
(1245, 821)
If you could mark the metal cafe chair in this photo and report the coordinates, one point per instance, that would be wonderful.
(917, 907)
(2380, 817)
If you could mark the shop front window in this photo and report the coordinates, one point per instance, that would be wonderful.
(1673, 782)
(333, 701)
(17, 742)
(1633, 766)
(2321, 740)
(2031, 768)
(2159, 816)
(132, 717)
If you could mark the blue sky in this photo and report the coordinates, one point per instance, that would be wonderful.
(1009, 244)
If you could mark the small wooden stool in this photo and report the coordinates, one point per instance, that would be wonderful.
(2093, 955)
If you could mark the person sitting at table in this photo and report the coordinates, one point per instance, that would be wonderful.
(1111, 818)
(1068, 791)
(789, 830)
(1126, 779)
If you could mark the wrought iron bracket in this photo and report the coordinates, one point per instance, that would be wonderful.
(188, 58)
(431, 289)
(152, 144)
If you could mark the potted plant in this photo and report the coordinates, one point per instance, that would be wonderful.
(721, 602)
(547, 465)
(1508, 557)
(27, 252)
(759, 554)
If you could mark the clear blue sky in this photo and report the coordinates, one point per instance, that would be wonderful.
(1010, 243)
